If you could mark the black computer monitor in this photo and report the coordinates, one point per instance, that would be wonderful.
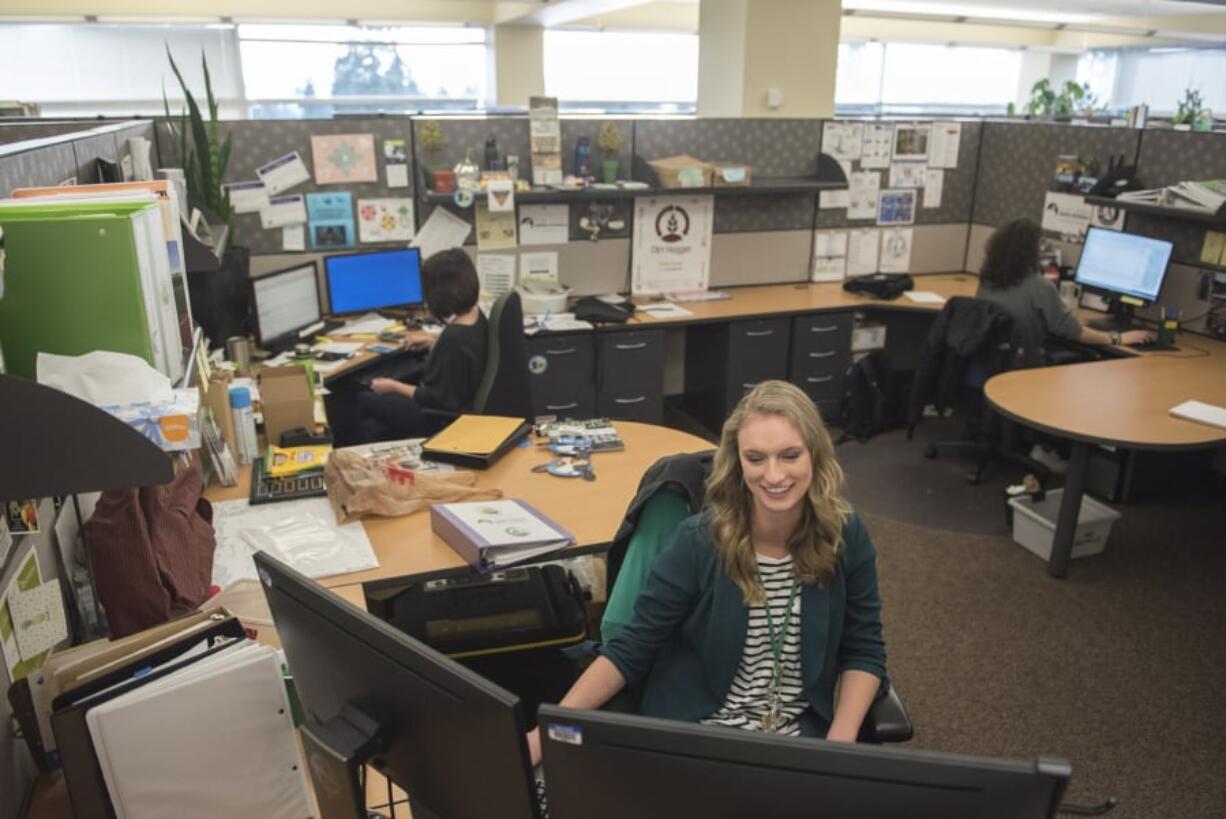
(286, 303)
(371, 694)
(601, 765)
(374, 280)
(1126, 268)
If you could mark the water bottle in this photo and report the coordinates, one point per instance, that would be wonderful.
(244, 425)
(583, 157)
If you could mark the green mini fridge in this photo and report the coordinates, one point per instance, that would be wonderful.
(81, 277)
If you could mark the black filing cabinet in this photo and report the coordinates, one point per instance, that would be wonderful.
(821, 354)
(723, 360)
(631, 375)
(562, 370)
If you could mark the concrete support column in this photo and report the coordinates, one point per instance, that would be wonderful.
(767, 58)
(519, 64)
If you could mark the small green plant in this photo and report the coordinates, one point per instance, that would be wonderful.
(1190, 108)
(609, 140)
(430, 139)
(202, 153)
(1047, 101)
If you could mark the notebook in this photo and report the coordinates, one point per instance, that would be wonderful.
(1201, 412)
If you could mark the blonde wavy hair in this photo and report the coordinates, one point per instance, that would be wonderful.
(818, 537)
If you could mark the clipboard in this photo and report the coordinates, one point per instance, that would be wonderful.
(475, 441)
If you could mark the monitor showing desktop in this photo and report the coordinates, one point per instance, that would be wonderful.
(371, 694)
(601, 765)
(374, 280)
(1126, 268)
(286, 301)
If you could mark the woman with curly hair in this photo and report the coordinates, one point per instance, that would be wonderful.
(1010, 277)
(765, 600)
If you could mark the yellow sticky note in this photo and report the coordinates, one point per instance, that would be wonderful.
(1214, 249)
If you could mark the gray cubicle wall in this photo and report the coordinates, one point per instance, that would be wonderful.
(59, 158)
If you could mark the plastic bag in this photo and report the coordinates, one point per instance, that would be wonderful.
(359, 485)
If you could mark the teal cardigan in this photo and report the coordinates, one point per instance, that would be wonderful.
(682, 647)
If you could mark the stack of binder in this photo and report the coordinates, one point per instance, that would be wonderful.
(189, 719)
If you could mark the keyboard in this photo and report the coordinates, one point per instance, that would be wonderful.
(1153, 346)
(267, 489)
(542, 805)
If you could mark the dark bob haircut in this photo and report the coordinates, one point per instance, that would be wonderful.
(449, 283)
(1012, 254)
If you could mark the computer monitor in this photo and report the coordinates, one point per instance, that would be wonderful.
(371, 694)
(374, 280)
(601, 765)
(1126, 268)
(286, 302)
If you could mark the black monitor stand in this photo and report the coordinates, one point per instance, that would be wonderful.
(336, 751)
(1119, 319)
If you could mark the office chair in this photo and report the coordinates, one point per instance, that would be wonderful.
(505, 387)
(676, 487)
(971, 340)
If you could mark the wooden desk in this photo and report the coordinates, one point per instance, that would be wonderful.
(591, 510)
(1125, 403)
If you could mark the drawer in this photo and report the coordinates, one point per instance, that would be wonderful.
(562, 370)
(645, 407)
(631, 362)
(757, 351)
(822, 333)
(820, 386)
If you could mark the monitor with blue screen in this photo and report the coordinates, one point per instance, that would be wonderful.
(1126, 268)
(373, 281)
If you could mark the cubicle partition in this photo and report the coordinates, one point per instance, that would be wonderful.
(60, 157)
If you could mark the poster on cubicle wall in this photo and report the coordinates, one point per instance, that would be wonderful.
(672, 243)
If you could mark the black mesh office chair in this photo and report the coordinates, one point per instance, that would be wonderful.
(971, 340)
(504, 387)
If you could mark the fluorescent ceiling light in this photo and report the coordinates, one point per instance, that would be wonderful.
(996, 15)
(143, 20)
(43, 18)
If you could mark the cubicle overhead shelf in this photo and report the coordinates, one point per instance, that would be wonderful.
(765, 185)
(1165, 211)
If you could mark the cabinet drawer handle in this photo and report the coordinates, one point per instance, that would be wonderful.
(638, 346)
(758, 333)
(562, 351)
(829, 329)
(638, 400)
(557, 407)
(821, 379)
(823, 355)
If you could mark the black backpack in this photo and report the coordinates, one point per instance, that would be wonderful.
(880, 285)
(871, 398)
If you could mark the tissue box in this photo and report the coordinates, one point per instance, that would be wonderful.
(731, 175)
(172, 424)
(682, 172)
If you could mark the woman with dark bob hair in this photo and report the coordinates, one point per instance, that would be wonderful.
(456, 360)
(1010, 277)
(765, 601)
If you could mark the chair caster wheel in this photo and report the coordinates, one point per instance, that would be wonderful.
(930, 452)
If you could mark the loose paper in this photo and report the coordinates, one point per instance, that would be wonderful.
(538, 266)
(896, 250)
(934, 187)
(495, 231)
(441, 231)
(946, 140)
(907, 174)
(829, 268)
(6, 542)
(665, 310)
(924, 297)
(342, 159)
(829, 200)
(293, 237)
(841, 140)
(500, 195)
(385, 220)
(1067, 214)
(896, 207)
(830, 243)
(877, 146)
(544, 224)
(496, 272)
(396, 162)
(330, 217)
(672, 243)
(1108, 217)
(862, 195)
(27, 577)
(284, 210)
(1210, 253)
(38, 618)
(911, 141)
(247, 197)
(283, 173)
(862, 246)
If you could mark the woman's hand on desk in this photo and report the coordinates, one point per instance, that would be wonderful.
(1130, 337)
(418, 342)
(385, 386)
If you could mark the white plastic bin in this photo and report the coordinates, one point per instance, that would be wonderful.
(1034, 524)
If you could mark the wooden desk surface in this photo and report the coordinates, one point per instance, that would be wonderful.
(1125, 401)
(591, 510)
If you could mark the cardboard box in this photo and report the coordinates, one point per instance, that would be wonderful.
(868, 335)
(285, 395)
(173, 424)
(682, 172)
(731, 174)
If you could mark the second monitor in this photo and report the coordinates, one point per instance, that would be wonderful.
(373, 281)
(1125, 268)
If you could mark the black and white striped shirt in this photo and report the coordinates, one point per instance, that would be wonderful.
(746, 702)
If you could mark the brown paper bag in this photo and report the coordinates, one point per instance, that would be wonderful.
(359, 486)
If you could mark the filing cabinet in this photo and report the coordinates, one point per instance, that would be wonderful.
(630, 383)
(821, 354)
(562, 370)
(723, 360)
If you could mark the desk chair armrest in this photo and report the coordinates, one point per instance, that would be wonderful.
(887, 720)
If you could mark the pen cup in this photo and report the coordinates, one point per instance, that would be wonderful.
(238, 348)
(1168, 324)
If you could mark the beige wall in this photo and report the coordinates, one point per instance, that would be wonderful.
(791, 45)
(519, 64)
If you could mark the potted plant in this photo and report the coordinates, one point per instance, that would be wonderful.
(201, 153)
(1190, 112)
(431, 140)
(1049, 103)
(609, 140)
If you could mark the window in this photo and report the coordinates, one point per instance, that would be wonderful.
(316, 70)
(915, 78)
(612, 71)
(1156, 77)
